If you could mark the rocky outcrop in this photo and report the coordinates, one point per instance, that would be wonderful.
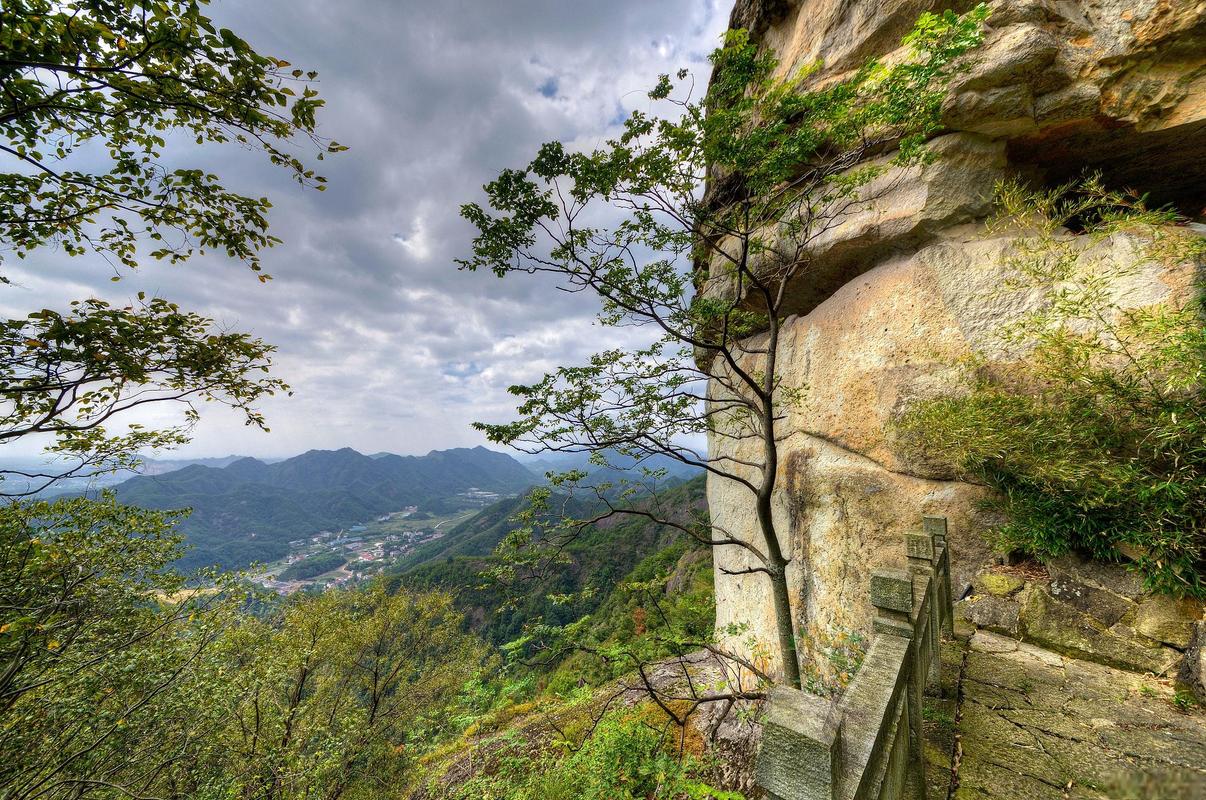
(1087, 610)
(898, 293)
(1191, 677)
(1033, 725)
(1068, 84)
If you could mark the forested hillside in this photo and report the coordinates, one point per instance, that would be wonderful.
(249, 510)
(599, 559)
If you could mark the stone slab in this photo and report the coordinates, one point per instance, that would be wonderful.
(1035, 725)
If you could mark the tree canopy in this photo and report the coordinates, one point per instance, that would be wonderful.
(122, 82)
(102, 104)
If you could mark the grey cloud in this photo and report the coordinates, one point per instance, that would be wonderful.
(387, 345)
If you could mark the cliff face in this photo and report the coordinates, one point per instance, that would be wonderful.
(898, 293)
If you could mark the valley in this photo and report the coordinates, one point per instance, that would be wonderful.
(253, 512)
(339, 558)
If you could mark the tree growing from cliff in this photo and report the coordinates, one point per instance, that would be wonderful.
(785, 160)
(93, 94)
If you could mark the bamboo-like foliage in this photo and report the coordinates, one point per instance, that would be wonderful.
(1093, 433)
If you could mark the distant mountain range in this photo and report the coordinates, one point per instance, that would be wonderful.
(249, 510)
(14, 483)
(622, 467)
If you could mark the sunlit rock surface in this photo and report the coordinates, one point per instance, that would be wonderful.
(898, 294)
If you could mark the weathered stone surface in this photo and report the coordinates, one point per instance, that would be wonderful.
(1114, 578)
(1191, 677)
(845, 515)
(1098, 603)
(997, 614)
(1035, 726)
(1168, 621)
(900, 292)
(1060, 627)
(900, 210)
(997, 584)
(850, 492)
(892, 589)
(939, 707)
(800, 747)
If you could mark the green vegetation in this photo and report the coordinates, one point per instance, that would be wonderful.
(834, 658)
(313, 566)
(1184, 701)
(664, 607)
(173, 690)
(626, 758)
(1093, 436)
(598, 561)
(336, 694)
(103, 680)
(122, 679)
(92, 95)
(705, 270)
(563, 685)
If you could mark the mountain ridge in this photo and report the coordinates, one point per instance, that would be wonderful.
(249, 509)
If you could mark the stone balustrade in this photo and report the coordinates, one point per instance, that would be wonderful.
(867, 744)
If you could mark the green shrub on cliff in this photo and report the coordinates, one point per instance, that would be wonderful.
(1095, 435)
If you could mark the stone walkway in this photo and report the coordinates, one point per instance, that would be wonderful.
(1027, 724)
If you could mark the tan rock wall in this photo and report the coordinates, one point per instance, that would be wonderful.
(891, 335)
(900, 292)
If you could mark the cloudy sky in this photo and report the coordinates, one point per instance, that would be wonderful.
(386, 344)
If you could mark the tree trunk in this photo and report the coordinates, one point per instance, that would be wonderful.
(783, 622)
(766, 521)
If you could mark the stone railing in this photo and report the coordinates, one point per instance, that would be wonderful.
(867, 745)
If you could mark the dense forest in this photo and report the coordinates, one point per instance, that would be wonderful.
(360, 684)
(597, 561)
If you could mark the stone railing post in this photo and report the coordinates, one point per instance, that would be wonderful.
(800, 757)
(923, 563)
(936, 528)
(892, 596)
(872, 739)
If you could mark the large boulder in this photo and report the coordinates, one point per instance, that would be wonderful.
(1168, 621)
(1116, 84)
(849, 491)
(1058, 626)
